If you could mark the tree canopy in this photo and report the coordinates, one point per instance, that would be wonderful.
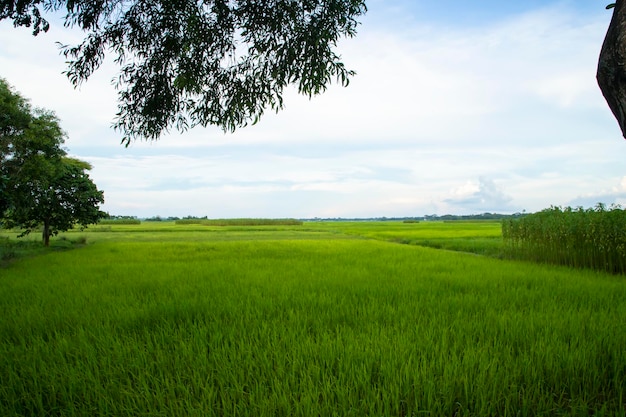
(200, 62)
(224, 62)
(40, 186)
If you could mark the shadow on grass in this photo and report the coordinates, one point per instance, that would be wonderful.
(485, 246)
(12, 249)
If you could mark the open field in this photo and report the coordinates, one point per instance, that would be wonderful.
(323, 319)
(478, 237)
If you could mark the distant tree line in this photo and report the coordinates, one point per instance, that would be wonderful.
(408, 219)
(431, 217)
(483, 216)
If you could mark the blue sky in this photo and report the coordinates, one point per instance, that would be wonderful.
(457, 107)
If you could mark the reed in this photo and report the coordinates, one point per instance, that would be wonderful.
(582, 238)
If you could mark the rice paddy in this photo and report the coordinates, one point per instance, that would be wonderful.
(318, 319)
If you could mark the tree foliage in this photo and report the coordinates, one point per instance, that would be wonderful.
(41, 187)
(15, 118)
(200, 62)
(224, 62)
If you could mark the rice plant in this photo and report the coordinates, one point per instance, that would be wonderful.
(199, 325)
(158, 319)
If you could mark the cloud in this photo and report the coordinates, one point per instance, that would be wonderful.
(483, 196)
(614, 195)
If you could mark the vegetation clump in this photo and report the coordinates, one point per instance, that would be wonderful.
(119, 220)
(240, 222)
(581, 238)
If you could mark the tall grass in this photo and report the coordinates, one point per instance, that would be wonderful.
(582, 238)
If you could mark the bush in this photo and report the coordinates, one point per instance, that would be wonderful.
(119, 221)
(189, 221)
(241, 222)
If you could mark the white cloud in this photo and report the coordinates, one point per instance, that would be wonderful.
(482, 196)
(616, 194)
(566, 89)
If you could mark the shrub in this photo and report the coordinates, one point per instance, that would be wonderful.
(189, 221)
(241, 222)
(119, 221)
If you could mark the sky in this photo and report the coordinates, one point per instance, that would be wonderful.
(457, 107)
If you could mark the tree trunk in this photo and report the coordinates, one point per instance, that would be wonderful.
(46, 233)
(611, 73)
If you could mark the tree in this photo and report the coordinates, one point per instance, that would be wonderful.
(209, 62)
(41, 186)
(56, 203)
(611, 73)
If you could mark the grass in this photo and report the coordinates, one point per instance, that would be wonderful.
(301, 321)
(479, 237)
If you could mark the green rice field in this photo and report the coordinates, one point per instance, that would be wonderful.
(317, 319)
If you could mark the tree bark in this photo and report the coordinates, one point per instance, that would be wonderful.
(46, 233)
(611, 73)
